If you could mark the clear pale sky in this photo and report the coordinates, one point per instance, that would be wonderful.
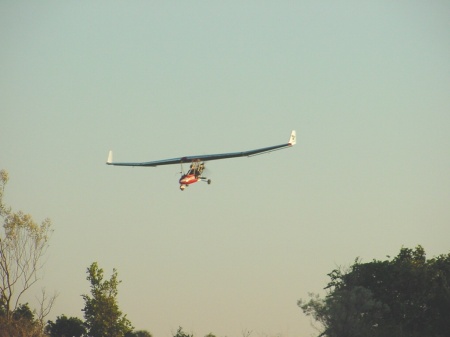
(365, 84)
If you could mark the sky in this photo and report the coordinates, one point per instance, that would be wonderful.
(364, 83)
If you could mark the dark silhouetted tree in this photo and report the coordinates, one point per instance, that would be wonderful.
(139, 333)
(406, 296)
(66, 327)
(181, 333)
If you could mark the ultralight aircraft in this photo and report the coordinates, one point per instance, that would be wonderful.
(197, 163)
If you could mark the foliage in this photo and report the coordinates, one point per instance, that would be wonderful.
(101, 311)
(341, 313)
(181, 333)
(23, 312)
(406, 296)
(22, 323)
(65, 327)
(23, 244)
(22, 247)
(139, 333)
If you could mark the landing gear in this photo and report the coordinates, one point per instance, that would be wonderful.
(206, 180)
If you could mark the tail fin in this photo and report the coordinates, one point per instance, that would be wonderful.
(110, 159)
(293, 139)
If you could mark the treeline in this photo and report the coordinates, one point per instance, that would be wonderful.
(23, 244)
(406, 296)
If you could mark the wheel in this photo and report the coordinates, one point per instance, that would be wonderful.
(209, 181)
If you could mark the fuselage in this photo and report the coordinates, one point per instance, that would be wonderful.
(187, 179)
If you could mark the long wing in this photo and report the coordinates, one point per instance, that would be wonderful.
(208, 157)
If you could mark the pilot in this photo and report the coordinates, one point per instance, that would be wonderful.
(191, 169)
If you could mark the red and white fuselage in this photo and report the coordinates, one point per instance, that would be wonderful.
(193, 175)
(187, 179)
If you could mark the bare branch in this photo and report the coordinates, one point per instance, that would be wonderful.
(45, 306)
(22, 247)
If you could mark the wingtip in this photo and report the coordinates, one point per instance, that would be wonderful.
(109, 161)
(293, 138)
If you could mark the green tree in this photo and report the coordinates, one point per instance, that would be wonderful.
(181, 333)
(23, 313)
(341, 314)
(23, 244)
(101, 311)
(406, 296)
(66, 327)
(22, 323)
(139, 333)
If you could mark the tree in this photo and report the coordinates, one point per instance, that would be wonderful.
(139, 333)
(65, 327)
(23, 245)
(181, 333)
(406, 296)
(341, 314)
(101, 311)
(21, 324)
(45, 306)
(23, 313)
